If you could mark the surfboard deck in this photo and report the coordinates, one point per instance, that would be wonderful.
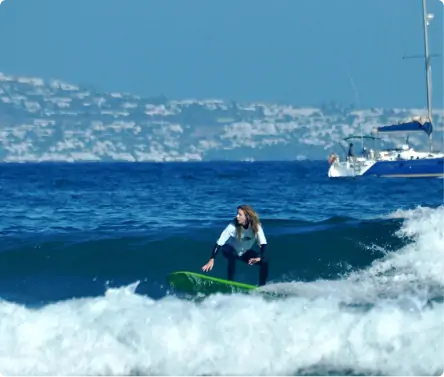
(194, 283)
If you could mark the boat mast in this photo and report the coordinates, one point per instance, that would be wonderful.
(426, 19)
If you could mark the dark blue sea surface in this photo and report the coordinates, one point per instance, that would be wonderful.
(85, 250)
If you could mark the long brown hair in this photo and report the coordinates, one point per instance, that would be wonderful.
(252, 217)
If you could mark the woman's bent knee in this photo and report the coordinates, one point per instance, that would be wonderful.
(228, 251)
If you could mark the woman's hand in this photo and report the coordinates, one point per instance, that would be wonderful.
(208, 266)
(253, 260)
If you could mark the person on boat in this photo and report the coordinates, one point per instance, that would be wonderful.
(350, 154)
(237, 240)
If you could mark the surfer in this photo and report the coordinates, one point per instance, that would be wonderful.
(236, 243)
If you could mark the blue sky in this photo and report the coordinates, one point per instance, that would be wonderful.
(304, 52)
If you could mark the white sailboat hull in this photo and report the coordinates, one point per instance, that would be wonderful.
(340, 169)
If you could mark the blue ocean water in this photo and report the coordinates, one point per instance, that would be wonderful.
(85, 250)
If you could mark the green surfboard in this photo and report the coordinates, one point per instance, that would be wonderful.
(194, 283)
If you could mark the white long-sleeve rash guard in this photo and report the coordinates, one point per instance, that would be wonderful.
(247, 240)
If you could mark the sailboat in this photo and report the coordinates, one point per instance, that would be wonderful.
(403, 161)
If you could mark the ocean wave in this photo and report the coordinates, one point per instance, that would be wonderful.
(290, 242)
